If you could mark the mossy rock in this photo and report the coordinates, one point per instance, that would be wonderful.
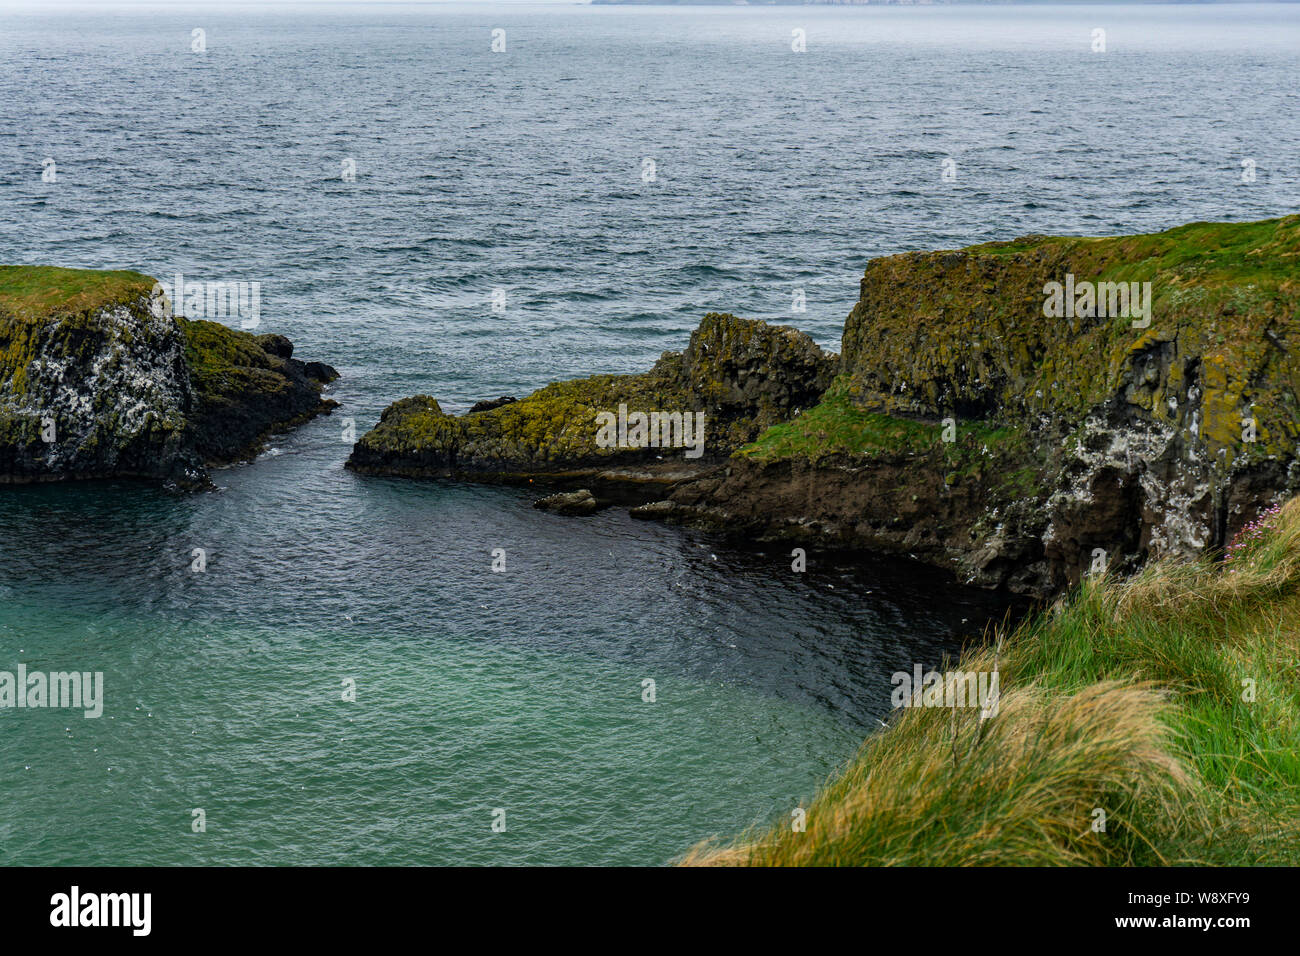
(246, 387)
(742, 374)
(98, 380)
(1087, 434)
(964, 332)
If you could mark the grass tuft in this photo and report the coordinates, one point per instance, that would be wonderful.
(1170, 702)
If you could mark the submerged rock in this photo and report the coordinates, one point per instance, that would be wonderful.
(580, 502)
(97, 381)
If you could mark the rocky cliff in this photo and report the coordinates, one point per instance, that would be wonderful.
(1021, 412)
(1025, 434)
(735, 378)
(97, 380)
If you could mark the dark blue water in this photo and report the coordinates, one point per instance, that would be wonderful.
(523, 171)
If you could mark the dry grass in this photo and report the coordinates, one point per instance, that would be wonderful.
(1171, 702)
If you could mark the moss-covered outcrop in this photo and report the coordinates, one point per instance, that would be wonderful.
(1022, 412)
(965, 332)
(98, 381)
(741, 375)
(1076, 440)
(247, 386)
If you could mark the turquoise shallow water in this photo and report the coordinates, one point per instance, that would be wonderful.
(247, 723)
(522, 690)
(475, 690)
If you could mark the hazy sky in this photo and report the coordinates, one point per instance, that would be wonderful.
(215, 4)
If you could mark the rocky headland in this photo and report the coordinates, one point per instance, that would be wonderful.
(970, 420)
(743, 375)
(99, 380)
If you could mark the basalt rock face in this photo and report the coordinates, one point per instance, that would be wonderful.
(740, 375)
(246, 387)
(97, 381)
(1023, 449)
(749, 375)
(1023, 413)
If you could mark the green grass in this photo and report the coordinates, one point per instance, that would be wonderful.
(1236, 252)
(35, 291)
(979, 450)
(1129, 697)
(837, 427)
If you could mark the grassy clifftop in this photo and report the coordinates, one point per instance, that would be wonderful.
(38, 291)
(97, 381)
(964, 332)
(1166, 706)
(34, 297)
(1038, 432)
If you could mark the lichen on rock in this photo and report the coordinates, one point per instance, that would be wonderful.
(98, 381)
(1117, 439)
(740, 374)
(246, 386)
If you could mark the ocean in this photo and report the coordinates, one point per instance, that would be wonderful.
(571, 204)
